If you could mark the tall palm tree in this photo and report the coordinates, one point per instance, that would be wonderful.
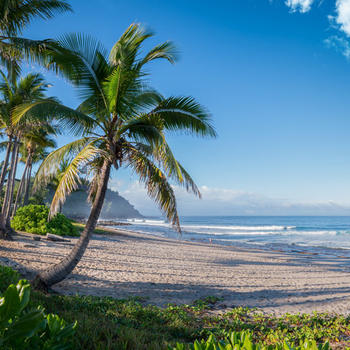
(14, 93)
(39, 155)
(129, 122)
(33, 149)
(15, 15)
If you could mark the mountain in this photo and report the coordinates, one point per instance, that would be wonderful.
(114, 207)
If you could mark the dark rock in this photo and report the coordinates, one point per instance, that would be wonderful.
(55, 238)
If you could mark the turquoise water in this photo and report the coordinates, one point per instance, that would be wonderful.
(283, 232)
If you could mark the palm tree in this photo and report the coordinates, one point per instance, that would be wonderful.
(38, 156)
(34, 146)
(15, 15)
(14, 93)
(128, 126)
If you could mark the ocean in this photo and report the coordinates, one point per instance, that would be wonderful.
(326, 234)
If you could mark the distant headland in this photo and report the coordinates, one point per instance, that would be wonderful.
(114, 207)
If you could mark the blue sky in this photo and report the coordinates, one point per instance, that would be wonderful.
(275, 74)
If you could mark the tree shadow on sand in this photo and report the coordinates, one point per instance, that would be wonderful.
(162, 294)
(313, 295)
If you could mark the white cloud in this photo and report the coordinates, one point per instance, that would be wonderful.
(137, 195)
(299, 5)
(339, 20)
(340, 44)
(115, 184)
(343, 15)
(222, 201)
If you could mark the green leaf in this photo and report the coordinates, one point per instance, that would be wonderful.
(10, 304)
(25, 326)
(197, 345)
(325, 346)
(23, 287)
(287, 346)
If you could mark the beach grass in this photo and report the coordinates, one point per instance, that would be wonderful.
(107, 323)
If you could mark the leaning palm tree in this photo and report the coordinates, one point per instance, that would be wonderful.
(129, 123)
(15, 15)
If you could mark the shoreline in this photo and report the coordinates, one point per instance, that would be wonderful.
(163, 270)
(285, 248)
(327, 235)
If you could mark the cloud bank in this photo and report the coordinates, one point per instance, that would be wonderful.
(221, 201)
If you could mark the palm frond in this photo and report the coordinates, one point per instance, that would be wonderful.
(124, 51)
(157, 186)
(31, 50)
(95, 167)
(184, 114)
(111, 87)
(128, 94)
(16, 14)
(146, 98)
(5, 86)
(81, 59)
(172, 168)
(165, 51)
(9, 55)
(175, 170)
(145, 127)
(32, 87)
(50, 108)
(137, 99)
(51, 165)
(70, 179)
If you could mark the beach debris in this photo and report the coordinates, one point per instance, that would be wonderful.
(112, 223)
(104, 222)
(29, 246)
(55, 238)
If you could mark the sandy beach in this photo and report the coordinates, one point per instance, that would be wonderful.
(162, 270)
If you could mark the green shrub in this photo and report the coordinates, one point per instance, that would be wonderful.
(7, 277)
(23, 328)
(34, 219)
(244, 341)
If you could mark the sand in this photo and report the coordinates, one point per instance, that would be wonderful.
(163, 270)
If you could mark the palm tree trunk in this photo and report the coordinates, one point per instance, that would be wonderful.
(3, 232)
(8, 183)
(27, 185)
(25, 190)
(60, 271)
(5, 227)
(5, 165)
(12, 186)
(20, 187)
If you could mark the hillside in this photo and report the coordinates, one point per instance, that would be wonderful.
(114, 207)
